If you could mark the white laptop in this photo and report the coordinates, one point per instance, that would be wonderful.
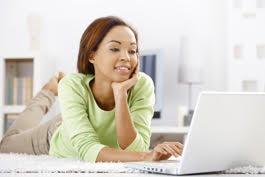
(227, 131)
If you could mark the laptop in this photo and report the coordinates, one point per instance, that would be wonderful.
(227, 131)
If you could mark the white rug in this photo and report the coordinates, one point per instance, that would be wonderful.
(23, 163)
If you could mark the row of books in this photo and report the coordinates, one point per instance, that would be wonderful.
(10, 118)
(20, 90)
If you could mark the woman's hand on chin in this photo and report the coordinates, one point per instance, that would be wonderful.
(122, 87)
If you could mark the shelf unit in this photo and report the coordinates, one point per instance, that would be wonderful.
(23, 67)
(13, 109)
(246, 45)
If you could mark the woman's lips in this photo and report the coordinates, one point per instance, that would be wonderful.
(122, 69)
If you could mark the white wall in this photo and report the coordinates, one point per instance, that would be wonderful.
(246, 30)
(160, 24)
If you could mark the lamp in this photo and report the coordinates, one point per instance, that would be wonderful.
(190, 70)
(190, 75)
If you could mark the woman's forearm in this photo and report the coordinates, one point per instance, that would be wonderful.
(115, 155)
(125, 129)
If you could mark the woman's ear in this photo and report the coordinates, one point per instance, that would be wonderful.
(91, 59)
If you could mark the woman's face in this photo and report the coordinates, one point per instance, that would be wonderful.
(116, 58)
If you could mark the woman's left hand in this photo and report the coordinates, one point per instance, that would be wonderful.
(119, 87)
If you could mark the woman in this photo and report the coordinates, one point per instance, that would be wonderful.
(106, 108)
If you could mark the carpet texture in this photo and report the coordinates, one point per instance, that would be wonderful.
(23, 163)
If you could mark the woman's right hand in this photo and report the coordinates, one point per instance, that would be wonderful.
(164, 151)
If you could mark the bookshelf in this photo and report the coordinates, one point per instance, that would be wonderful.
(19, 82)
(13, 109)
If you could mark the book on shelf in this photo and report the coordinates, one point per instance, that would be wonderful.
(19, 82)
(29, 89)
(15, 90)
(10, 90)
(11, 72)
(20, 90)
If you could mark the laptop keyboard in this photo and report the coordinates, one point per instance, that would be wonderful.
(163, 163)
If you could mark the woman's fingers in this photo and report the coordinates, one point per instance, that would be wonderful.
(159, 148)
(161, 151)
(170, 150)
(176, 149)
(179, 145)
(138, 66)
(132, 81)
(165, 150)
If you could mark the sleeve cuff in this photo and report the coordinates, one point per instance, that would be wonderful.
(92, 153)
(135, 145)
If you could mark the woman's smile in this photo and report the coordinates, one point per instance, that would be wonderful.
(123, 69)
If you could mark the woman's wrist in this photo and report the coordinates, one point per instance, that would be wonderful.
(143, 156)
(119, 95)
(146, 156)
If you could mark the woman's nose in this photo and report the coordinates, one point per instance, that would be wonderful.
(124, 56)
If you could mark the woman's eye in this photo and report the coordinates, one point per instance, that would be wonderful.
(114, 49)
(132, 51)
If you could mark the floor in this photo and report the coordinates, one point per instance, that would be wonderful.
(112, 175)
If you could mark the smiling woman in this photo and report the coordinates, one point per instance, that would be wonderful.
(106, 107)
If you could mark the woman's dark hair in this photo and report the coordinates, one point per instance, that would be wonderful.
(92, 37)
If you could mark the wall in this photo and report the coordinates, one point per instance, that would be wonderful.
(160, 24)
(246, 64)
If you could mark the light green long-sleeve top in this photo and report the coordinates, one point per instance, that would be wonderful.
(86, 128)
